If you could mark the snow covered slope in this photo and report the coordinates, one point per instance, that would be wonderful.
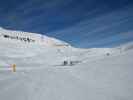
(21, 37)
(95, 73)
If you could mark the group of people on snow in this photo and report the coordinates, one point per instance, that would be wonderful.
(19, 38)
(65, 63)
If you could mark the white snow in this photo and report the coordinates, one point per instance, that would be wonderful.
(98, 74)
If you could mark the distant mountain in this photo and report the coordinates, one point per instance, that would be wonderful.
(27, 37)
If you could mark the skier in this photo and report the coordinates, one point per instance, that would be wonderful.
(65, 63)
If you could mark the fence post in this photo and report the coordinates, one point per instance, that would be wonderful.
(14, 67)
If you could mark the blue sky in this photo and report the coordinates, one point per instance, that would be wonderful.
(82, 23)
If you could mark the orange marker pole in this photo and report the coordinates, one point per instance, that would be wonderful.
(14, 67)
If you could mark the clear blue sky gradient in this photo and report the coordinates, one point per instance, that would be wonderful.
(82, 23)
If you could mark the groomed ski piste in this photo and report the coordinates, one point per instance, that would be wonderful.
(50, 69)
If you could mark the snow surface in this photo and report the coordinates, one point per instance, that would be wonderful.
(98, 74)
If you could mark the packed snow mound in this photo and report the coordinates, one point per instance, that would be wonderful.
(55, 70)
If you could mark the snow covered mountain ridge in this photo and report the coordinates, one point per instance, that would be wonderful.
(30, 38)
